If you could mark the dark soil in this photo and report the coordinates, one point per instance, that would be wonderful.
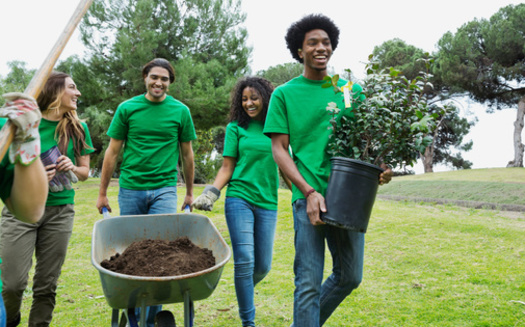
(158, 258)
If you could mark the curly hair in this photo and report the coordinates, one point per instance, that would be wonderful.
(296, 32)
(69, 127)
(262, 86)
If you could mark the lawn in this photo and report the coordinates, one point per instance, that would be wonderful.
(425, 265)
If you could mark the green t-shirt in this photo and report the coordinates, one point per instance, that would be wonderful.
(7, 171)
(298, 108)
(256, 177)
(47, 130)
(151, 133)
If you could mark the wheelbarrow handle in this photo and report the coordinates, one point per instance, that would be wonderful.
(105, 212)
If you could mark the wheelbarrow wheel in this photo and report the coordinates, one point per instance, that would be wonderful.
(165, 319)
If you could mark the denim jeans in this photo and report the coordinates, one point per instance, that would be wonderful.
(148, 202)
(314, 300)
(2, 312)
(252, 231)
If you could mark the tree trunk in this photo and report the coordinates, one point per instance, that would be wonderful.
(518, 128)
(428, 159)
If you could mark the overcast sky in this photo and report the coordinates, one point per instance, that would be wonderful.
(30, 28)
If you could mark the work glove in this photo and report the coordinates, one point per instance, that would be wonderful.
(62, 179)
(22, 110)
(208, 197)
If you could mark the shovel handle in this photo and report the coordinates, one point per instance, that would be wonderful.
(7, 134)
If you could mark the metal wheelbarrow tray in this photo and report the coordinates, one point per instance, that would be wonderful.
(112, 235)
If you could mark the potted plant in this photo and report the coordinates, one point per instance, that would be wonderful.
(387, 122)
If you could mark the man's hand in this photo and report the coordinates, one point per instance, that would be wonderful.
(315, 204)
(385, 176)
(22, 110)
(208, 197)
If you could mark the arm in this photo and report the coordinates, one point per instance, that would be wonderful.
(315, 201)
(225, 172)
(286, 180)
(188, 168)
(29, 192)
(110, 161)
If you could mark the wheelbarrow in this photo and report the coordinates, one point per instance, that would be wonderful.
(126, 292)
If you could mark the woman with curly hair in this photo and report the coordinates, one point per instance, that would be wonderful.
(66, 145)
(251, 198)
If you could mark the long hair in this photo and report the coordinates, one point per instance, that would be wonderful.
(69, 126)
(262, 86)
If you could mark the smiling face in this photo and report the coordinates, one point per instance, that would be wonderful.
(252, 103)
(69, 99)
(157, 82)
(316, 52)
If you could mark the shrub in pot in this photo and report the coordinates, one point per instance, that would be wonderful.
(390, 125)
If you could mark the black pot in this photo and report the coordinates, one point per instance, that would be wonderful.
(351, 193)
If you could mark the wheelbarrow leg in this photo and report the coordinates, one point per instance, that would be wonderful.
(114, 318)
(188, 310)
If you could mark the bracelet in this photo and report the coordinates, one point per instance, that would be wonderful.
(308, 193)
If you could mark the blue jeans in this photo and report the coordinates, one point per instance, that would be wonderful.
(252, 231)
(314, 300)
(148, 202)
(3, 319)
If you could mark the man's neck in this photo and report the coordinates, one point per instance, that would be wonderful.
(316, 75)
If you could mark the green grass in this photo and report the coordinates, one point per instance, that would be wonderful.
(504, 186)
(425, 265)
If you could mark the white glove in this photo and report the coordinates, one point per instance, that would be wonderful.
(22, 110)
(208, 197)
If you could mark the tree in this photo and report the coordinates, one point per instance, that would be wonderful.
(281, 74)
(450, 128)
(486, 58)
(17, 79)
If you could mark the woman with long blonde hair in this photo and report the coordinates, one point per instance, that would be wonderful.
(66, 145)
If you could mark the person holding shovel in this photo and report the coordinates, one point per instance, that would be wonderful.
(297, 117)
(153, 128)
(23, 180)
(67, 145)
(251, 199)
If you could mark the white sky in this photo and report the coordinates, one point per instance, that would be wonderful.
(30, 28)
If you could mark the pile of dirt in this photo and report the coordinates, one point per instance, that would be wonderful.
(158, 258)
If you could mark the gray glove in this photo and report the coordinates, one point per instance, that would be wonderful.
(62, 179)
(208, 197)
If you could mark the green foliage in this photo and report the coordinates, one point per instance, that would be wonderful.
(485, 57)
(206, 157)
(17, 79)
(281, 74)
(390, 125)
(450, 128)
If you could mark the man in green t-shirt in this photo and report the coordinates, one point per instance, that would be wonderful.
(297, 117)
(151, 127)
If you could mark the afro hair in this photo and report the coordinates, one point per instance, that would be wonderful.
(296, 32)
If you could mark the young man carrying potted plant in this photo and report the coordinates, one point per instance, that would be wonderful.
(297, 117)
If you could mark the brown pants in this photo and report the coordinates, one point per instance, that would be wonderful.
(48, 239)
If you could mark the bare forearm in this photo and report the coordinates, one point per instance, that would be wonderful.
(110, 161)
